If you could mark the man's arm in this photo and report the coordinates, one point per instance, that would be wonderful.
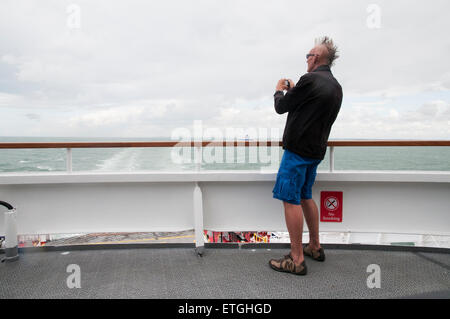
(287, 103)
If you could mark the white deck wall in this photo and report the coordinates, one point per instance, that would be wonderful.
(381, 202)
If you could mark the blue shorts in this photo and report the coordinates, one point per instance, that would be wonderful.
(295, 178)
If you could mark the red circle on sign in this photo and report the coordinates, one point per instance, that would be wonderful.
(331, 203)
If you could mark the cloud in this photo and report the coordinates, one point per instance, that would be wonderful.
(117, 116)
(439, 110)
(10, 100)
(428, 121)
(33, 116)
(148, 67)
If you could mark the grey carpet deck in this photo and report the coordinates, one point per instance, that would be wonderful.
(222, 273)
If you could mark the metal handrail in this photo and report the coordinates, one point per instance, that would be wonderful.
(200, 144)
(16, 145)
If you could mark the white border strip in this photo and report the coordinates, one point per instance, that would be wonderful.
(217, 176)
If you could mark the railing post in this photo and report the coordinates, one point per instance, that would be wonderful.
(198, 220)
(69, 160)
(198, 156)
(331, 158)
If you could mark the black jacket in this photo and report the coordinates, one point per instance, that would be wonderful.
(313, 105)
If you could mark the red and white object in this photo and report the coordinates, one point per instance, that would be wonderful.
(331, 207)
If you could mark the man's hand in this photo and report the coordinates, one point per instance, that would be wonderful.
(282, 86)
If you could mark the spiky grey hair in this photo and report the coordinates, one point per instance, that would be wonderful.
(331, 47)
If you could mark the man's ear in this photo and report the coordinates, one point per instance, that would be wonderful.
(318, 57)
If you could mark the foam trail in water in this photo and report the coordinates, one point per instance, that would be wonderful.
(44, 168)
(124, 160)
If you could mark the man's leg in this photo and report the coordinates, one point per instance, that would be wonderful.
(294, 222)
(312, 220)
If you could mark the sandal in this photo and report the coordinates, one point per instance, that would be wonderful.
(286, 264)
(318, 255)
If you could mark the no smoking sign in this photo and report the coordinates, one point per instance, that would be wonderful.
(331, 207)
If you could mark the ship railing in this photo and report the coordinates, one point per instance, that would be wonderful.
(198, 145)
(376, 203)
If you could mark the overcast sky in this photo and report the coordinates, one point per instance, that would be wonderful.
(145, 68)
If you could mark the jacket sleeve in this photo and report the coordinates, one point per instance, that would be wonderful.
(287, 103)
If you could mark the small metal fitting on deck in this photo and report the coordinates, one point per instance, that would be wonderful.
(11, 244)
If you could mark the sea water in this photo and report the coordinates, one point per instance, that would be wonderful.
(423, 158)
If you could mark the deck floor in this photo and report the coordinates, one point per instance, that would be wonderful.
(222, 273)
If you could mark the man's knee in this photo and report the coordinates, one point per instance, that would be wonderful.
(293, 205)
(307, 202)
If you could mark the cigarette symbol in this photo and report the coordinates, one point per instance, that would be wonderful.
(331, 203)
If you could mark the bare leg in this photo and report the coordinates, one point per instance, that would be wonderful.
(294, 222)
(312, 220)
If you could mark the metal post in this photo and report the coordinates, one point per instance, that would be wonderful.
(331, 158)
(69, 160)
(198, 220)
(11, 244)
(198, 156)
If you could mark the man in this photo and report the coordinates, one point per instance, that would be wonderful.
(312, 106)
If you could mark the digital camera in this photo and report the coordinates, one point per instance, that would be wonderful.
(286, 82)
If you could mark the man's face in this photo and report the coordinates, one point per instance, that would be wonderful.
(311, 61)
